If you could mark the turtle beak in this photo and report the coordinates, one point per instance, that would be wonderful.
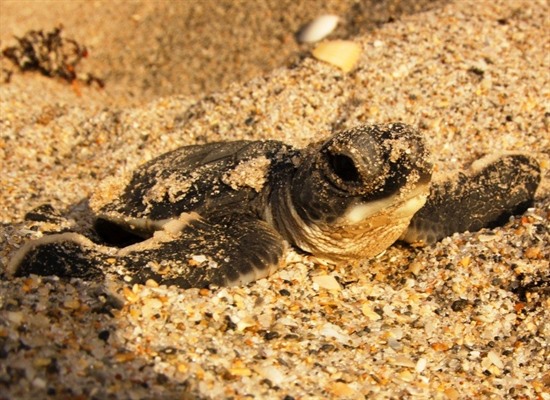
(399, 206)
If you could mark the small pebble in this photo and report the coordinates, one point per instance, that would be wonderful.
(459, 305)
(404, 362)
(495, 359)
(333, 331)
(369, 312)
(129, 294)
(39, 383)
(104, 335)
(465, 261)
(318, 29)
(14, 317)
(452, 393)
(272, 373)
(151, 283)
(533, 253)
(270, 335)
(150, 307)
(421, 365)
(341, 389)
(245, 323)
(240, 371)
(71, 304)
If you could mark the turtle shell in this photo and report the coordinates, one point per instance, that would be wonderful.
(211, 180)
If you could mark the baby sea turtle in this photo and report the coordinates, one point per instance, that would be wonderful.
(224, 213)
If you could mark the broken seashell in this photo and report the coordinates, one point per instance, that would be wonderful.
(343, 54)
(327, 282)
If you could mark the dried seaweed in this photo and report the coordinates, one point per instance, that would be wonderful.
(49, 53)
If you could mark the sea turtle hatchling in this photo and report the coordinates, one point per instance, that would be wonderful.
(224, 213)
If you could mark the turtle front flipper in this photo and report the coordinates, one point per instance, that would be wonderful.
(227, 251)
(186, 252)
(485, 197)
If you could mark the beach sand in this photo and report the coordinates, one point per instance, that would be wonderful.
(464, 318)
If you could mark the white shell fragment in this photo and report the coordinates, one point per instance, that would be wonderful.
(317, 29)
(326, 282)
(343, 54)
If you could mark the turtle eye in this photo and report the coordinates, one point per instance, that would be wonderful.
(344, 168)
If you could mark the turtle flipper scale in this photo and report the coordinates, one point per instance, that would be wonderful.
(485, 197)
(228, 251)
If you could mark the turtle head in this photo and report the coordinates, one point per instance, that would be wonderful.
(354, 194)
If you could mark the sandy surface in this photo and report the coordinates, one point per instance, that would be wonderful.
(465, 318)
(146, 49)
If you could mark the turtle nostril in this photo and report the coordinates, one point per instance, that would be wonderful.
(344, 167)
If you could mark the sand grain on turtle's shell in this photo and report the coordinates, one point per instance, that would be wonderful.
(252, 173)
(108, 190)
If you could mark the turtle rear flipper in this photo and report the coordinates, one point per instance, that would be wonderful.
(485, 197)
(65, 255)
(230, 251)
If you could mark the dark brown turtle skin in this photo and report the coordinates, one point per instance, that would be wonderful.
(225, 213)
